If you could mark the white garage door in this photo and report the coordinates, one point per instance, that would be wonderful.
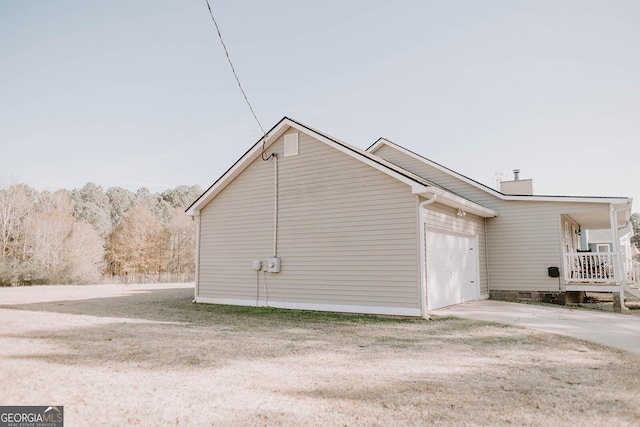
(451, 269)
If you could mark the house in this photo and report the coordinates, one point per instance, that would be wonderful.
(305, 221)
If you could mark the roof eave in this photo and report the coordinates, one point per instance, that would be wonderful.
(529, 198)
(237, 168)
(457, 202)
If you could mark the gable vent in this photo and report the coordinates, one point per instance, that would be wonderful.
(291, 144)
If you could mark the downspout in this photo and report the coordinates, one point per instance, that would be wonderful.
(486, 257)
(275, 204)
(423, 257)
(196, 221)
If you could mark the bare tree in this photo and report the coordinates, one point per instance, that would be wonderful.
(182, 243)
(15, 205)
(138, 244)
(49, 226)
(83, 254)
(59, 237)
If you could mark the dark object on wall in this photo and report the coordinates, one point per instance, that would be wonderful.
(554, 272)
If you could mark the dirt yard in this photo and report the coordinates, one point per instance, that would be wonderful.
(146, 356)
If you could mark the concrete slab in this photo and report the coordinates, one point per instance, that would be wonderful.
(614, 330)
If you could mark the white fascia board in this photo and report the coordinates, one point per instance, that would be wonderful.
(273, 135)
(573, 199)
(380, 142)
(222, 182)
(594, 288)
(238, 167)
(419, 189)
(451, 200)
(354, 154)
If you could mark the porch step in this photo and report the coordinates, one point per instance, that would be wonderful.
(632, 289)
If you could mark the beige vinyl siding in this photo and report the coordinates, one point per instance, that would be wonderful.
(236, 228)
(347, 233)
(442, 217)
(522, 241)
(527, 238)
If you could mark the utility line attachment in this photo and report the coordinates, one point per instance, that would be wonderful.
(233, 70)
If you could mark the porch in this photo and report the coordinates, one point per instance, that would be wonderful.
(603, 263)
(599, 270)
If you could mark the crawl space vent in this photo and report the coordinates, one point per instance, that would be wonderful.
(291, 144)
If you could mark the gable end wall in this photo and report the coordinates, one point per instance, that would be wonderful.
(347, 236)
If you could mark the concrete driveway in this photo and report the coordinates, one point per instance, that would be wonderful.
(614, 330)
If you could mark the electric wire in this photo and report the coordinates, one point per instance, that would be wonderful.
(233, 70)
(272, 155)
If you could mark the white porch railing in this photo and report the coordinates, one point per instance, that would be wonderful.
(633, 270)
(592, 267)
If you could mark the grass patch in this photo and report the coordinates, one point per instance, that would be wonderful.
(281, 314)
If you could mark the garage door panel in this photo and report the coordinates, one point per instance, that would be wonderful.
(451, 264)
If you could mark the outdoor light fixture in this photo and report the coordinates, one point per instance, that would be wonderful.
(461, 213)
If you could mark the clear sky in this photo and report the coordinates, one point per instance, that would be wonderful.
(139, 93)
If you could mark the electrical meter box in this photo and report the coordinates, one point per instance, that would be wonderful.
(273, 265)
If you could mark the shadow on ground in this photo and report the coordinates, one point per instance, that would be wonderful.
(428, 370)
(166, 305)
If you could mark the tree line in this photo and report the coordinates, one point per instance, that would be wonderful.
(90, 234)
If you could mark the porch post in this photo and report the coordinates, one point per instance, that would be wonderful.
(618, 265)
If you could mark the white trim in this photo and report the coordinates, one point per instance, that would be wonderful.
(419, 189)
(380, 142)
(476, 240)
(196, 220)
(361, 155)
(232, 173)
(593, 288)
(271, 137)
(352, 153)
(423, 254)
(360, 309)
(451, 200)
